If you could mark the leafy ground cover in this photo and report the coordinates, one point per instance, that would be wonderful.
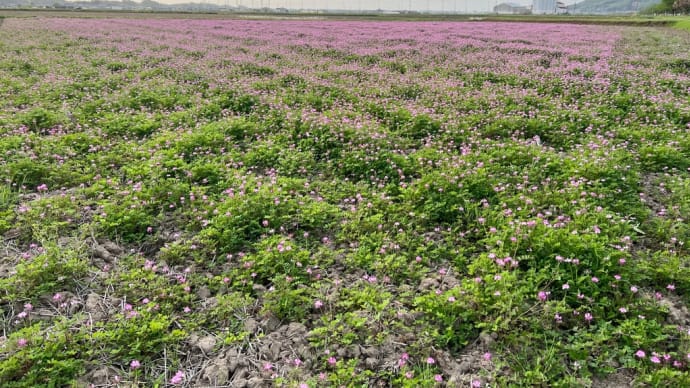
(324, 203)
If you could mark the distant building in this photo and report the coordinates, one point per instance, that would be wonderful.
(561, 7)
(544, 7)
(511, 9)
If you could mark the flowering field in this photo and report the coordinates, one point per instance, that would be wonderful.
(324, 203)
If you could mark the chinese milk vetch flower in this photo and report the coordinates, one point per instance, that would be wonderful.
(178, 378)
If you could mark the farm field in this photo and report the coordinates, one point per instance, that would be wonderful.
(303, 203)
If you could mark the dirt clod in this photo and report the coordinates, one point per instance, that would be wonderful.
(100, 376)
(94, 306)
(620, 379)
(428, 284)
(251, 325)
(217, 373)
(203, 293)
(678, 313)
(112, 248)
(100, 252)
(206, 344)
(255, 382)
